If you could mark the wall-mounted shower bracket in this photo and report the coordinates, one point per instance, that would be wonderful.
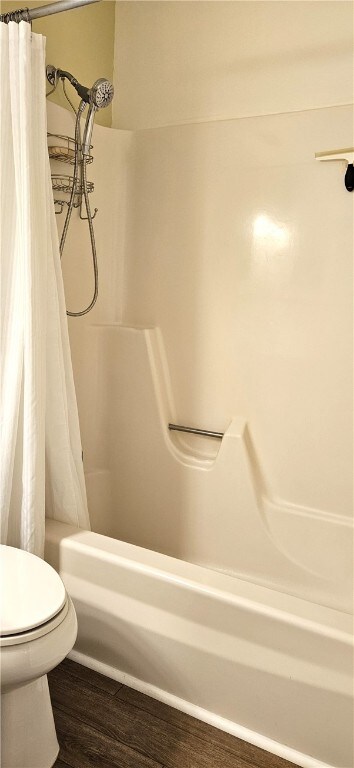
(344, 155)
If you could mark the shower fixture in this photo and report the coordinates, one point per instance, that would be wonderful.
(54, 74)
(100, 95)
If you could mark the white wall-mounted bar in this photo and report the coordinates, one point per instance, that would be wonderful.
(337, 154)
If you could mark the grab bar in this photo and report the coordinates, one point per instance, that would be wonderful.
(195, 431)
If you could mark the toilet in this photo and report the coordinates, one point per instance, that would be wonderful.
(38, 628)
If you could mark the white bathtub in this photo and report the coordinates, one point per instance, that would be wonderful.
(270, 668)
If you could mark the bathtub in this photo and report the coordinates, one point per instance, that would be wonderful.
(270, 668)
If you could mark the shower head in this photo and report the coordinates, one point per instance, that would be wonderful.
(100, 95)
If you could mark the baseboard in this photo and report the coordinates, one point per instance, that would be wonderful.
(281, 750)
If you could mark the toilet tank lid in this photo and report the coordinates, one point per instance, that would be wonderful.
(31, 591)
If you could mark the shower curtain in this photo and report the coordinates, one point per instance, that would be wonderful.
(41, 458)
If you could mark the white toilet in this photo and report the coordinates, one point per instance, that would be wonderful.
(38, 628)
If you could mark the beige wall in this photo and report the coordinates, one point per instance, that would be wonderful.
(180, 62)
(80, 41)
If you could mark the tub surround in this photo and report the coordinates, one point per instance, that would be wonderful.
(225, 303)
(208, 503)
(251, 298)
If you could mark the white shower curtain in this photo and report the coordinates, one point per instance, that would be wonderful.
(41, 458)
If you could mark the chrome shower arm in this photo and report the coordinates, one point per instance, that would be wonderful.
(53, 75)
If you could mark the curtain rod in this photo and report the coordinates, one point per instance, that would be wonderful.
(29, 14)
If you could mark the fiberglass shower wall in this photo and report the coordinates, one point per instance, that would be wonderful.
(240, 243)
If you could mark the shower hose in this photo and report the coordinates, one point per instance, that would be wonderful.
(87, 205)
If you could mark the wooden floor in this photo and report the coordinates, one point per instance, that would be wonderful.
(103, 724)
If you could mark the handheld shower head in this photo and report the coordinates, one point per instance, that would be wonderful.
(101, 95)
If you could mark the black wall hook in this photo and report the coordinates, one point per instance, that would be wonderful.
(346, 155)
(349, 178)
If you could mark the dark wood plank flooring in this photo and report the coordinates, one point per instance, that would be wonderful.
(103, 724)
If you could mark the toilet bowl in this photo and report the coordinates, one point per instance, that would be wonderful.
(38, 628)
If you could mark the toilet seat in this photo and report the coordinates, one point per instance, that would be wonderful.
(33, 597)
(36, 632)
